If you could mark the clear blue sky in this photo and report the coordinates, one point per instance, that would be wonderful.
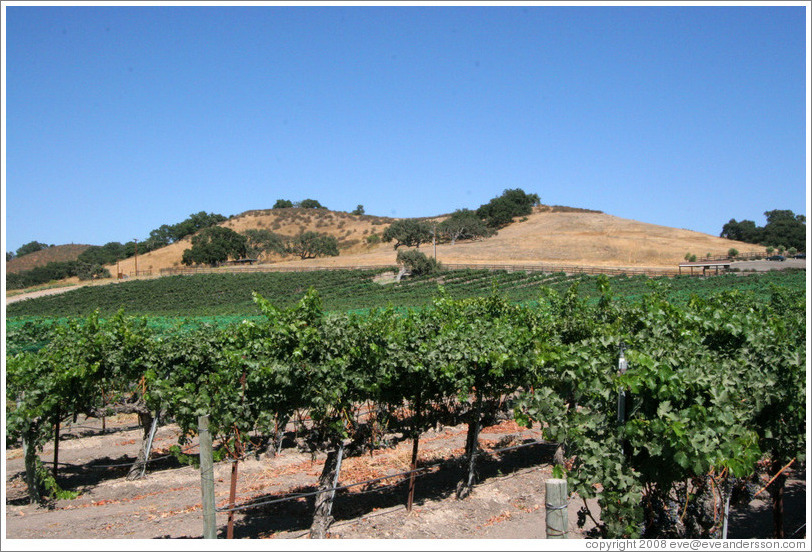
(120, 119)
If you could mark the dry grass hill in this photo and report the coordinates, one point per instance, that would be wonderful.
(55, 254)
(550, 235)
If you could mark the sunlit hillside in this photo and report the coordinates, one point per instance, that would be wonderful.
(55, 254)
(554, 236)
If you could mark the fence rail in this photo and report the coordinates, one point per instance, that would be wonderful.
(266, 268)
(568, 269)
(746, 256)
(547, 268)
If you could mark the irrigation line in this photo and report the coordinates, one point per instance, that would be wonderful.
(248, 452)
(402, 507)
(99, 429)
(248, 505)
(391, 510)
(245, 506)
(106, 466)
(109, 466)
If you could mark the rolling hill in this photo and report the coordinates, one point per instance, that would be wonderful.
(549, 235)
(55, 254)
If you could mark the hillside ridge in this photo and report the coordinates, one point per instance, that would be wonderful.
(551, 234)
(54, 254)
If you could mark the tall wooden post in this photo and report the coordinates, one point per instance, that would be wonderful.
(417, 424)
(104, 402)
(556, 515)
(232, 495)
(232, 498)
(207, 478)
(56, 440)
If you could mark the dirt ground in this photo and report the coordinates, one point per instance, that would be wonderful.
(507, 503)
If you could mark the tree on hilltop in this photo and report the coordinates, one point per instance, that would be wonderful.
(31, 247)
(310, 204)
(501, 210)
(408, 232)
(283, 204)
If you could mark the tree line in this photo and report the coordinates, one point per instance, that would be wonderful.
(212, 244)
(464, 224)
(784, 229)
(90, 263)
(216, 245)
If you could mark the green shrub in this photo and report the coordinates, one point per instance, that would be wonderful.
(500, 210)
(418, 263)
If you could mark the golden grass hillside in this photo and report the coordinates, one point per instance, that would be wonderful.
(548, 236)
(55, 254)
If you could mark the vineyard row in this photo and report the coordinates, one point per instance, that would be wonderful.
(714, 392)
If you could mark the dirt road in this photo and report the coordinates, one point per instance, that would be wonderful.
(40, 293)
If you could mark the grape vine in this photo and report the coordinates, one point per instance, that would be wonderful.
(715, 387)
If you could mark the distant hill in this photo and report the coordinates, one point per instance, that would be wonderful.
(57, 253)
(550, 235)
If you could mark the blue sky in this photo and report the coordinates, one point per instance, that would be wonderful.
(120, 119)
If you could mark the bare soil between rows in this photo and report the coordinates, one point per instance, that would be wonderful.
(507, 503)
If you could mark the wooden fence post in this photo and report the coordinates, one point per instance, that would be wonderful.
(415, 444)
(557, 516)
(56, 440)
(207, 478)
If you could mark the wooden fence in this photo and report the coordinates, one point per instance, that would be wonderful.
(545, 268)
(746, 256)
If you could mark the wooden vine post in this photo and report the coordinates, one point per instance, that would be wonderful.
(30, 455)
(56, 440)
(207, 478)
(103, 417)
(232, 494)
(556, 514)
(31, 479)
(415, 445)
(232, 498)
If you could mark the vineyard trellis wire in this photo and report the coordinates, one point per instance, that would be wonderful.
(296, 496)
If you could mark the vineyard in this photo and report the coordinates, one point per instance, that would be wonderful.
(712, 382)
(221, 295)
